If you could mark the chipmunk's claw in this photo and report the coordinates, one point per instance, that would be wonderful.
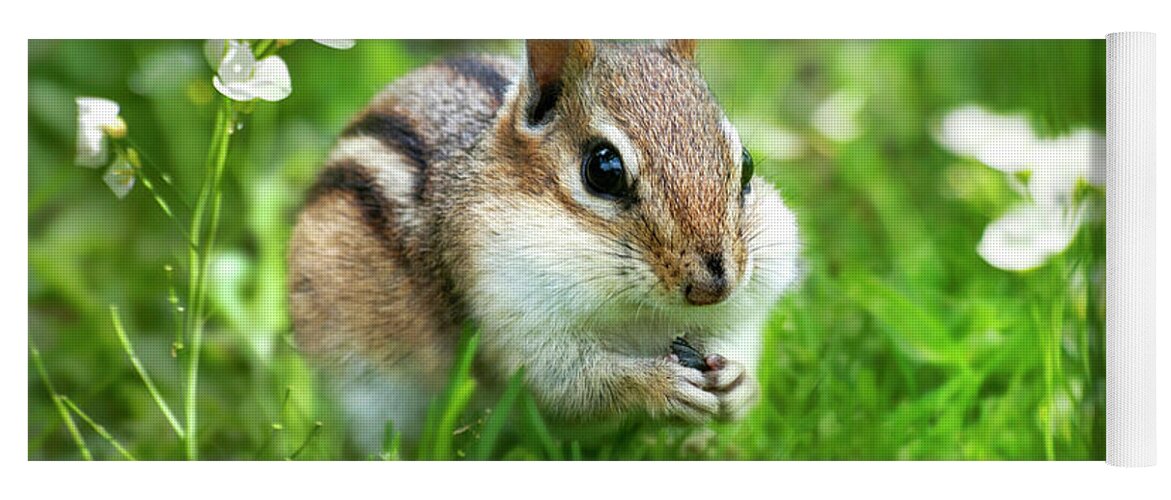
(736, 389)
(715, 361)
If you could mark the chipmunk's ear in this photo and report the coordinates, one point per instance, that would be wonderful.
(683, 48)
(549, 63)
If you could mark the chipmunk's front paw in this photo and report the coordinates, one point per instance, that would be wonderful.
(686, 397)
(735, 388)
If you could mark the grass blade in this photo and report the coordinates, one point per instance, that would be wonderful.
(916, 332)
(500, 415)
(391, 442)
(442, 416)
(61, 410)
(98, 428)
(150, 386)
(308, 439)
(536, 426)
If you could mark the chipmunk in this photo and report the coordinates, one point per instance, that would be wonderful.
(583, 207)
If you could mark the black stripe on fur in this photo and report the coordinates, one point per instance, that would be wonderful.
(351, 177)
(395, 132)
(482, 73)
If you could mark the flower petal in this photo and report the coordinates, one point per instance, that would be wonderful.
(339, 43)
(1026, 236)
(1054, 180)
(238, 64)
(91, 147)
(97, 111)
(1004, 142)
(235, 92)
(120, 178)
(94, 114)
(236, 72)
(271, 80)
(1061, 163)
(1087, 150)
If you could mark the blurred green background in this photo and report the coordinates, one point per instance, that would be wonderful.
(901, 343)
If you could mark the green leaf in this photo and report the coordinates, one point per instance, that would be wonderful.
(914, 331)
(443, 415)
(500, 415)
(536, 428)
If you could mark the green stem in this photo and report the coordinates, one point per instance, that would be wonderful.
(145, 162)
(275, 426)
(312, 434)
(268, 47)
(260, 47)
(1049, 330)
(61, 410)
(199, 257)
(98, 428)
(150, 386)
(127, 149)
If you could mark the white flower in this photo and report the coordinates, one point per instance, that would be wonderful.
(1006, 143)
(1009, 144)
(1026, 236)
(836, 118)
(120, 177)
(96, 118)
(242, 78)
(338, 43)
(1060, 164)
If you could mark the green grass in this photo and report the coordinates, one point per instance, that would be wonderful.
(900, 343)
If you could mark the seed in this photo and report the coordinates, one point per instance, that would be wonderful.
(687, 355)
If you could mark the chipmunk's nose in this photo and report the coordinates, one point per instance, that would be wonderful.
(707, 284)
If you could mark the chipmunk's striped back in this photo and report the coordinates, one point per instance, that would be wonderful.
(426, 118)
(363, 297)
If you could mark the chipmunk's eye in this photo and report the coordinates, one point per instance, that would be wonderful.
(603, 172)
(746, 170)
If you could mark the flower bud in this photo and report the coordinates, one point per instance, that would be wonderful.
(116, 129)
